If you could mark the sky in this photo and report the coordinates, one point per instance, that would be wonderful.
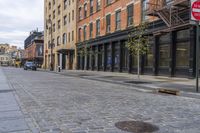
(18, 18)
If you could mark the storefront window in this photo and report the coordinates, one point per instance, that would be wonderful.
(134, 60)
(116, 57)
(182, 54)
(124, 56)
(164, 55)
(109, 59)
(149, 58)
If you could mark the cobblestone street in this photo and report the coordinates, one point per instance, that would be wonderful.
(63, 104)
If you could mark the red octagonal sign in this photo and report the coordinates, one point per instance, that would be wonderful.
(195, 10)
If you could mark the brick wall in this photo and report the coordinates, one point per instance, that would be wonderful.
(105, 10)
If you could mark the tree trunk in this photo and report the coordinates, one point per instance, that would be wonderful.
(138, 69)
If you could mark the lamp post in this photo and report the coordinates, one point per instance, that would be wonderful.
(51, 44)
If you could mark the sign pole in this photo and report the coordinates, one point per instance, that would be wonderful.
(197, 56)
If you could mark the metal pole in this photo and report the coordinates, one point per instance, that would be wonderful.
(197, 56)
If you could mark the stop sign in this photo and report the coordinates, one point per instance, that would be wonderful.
(195, 11)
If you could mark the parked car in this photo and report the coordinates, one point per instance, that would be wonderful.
(30, 65)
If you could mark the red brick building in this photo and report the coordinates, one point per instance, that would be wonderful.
(100, 23)
(104, 25)
(33, 46)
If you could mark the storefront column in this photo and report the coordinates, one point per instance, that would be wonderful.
(97, 49)
(172, 61)
(104, 57)
(156, 55)
(112, 57)
(192, 60)
(120, 56)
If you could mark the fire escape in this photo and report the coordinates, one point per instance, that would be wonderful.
(171, 12)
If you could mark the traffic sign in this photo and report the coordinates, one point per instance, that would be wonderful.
(195, 10)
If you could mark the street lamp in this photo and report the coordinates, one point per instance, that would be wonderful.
(51, 44)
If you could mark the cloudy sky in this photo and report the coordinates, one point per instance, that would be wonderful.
(18, 18)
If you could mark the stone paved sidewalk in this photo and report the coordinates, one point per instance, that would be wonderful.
(11, 117)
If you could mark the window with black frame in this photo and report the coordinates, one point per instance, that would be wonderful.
(130, 15)
(144, 9)
(98, 27)
(85, 10)
(108, 23)
(79, 34)
(85, 32)
(91, 29)
(91, 6)
(98, 5)
(118, 20)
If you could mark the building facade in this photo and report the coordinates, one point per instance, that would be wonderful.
(104, 26)
(34, 47)
(60, 34)
(5, 59)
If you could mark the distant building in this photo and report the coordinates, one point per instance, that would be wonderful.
(4, 48)
(33, 46)
(5, 59)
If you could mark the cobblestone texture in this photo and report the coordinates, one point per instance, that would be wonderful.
(56, 103)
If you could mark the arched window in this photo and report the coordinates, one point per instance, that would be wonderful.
(58, 40)
(64, 38)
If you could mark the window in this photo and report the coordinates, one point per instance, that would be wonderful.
(118, 20)
(108, 2)
(65, 20)
(59, 10)
(49, 16)
(84, 33)
(53, 43)
(130, 15)
(182, 48)
(91, 29)
(49, 5)
(108, 23)
(98, 27)
(53, 2)
(69, 17)
(144, 8)
(58, 40)
(64, 38)
(72, 35)
(85, 10)
(69, 2)
(69, 37)
(65, 4)
(54, 14)
(79, 10)
(98, 5)
(58, 24)
(54, 27)
(79, 34)
(91, 6)
(72, 14)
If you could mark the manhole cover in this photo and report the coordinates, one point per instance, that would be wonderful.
(138, 82)
(136, 126)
